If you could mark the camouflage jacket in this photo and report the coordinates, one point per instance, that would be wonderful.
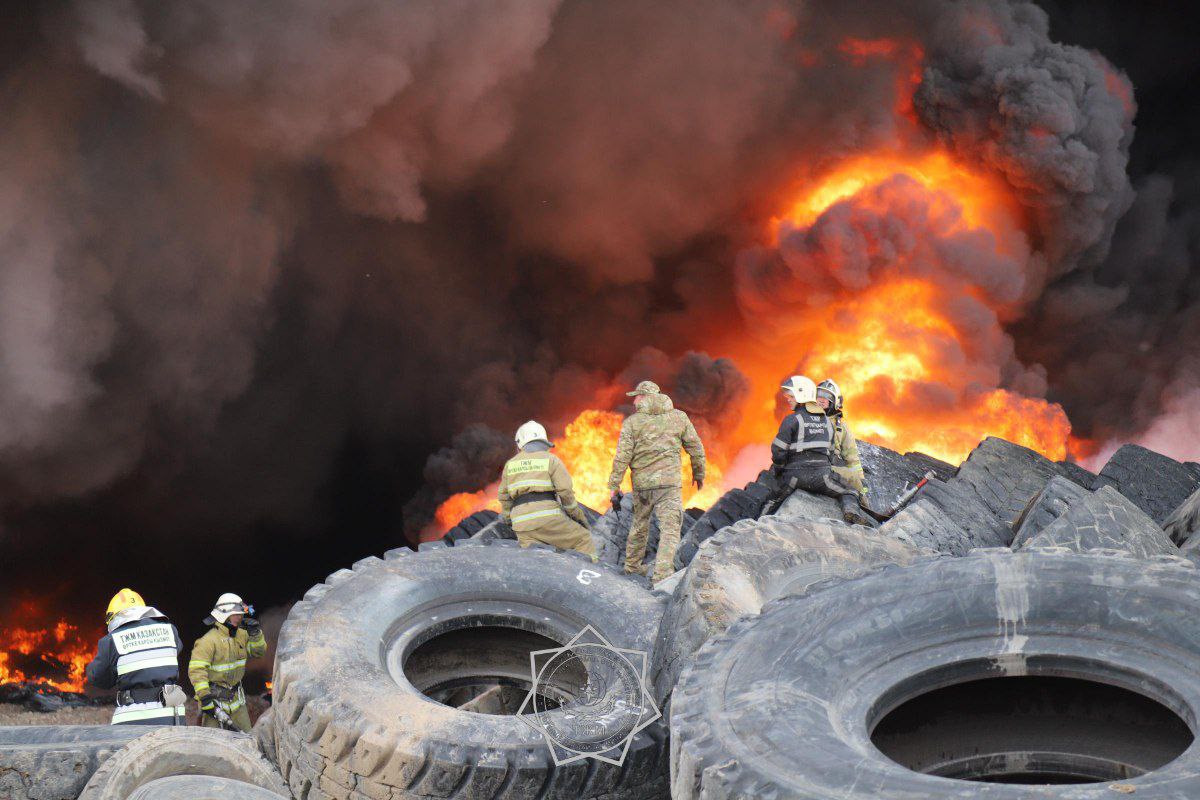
(649, 447)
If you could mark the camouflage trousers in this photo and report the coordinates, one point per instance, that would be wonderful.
(561, 532)
(667, 506)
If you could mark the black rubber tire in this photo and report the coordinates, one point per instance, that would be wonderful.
(1155, 483)
(784, 704)
(734, 505)
(349, 718)
(1104, 519)
(1048, 505)
(195, 787)
(1184, 522)
(1077, 474)
(887, 474)
(470, 525)
(947, 517)
(166, 752)
(1005, 476)
(926, 463)
(802, 505)
(264, 735)
(751, 563)
(54, 762)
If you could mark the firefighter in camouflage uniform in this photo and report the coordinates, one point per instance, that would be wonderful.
(537, 497)
(649, 447)
(218, 663)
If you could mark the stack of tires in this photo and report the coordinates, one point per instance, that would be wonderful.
(1023, 629)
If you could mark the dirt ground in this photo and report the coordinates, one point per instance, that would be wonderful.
(12, 714)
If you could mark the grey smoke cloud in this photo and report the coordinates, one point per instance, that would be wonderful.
(242, 243)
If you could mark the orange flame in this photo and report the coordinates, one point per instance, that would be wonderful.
(899, 356)
(41, 656)
(586, 448)
(464, 504)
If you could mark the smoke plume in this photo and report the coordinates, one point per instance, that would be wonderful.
(279, 277)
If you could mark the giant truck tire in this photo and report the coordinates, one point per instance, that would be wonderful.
(734, 505)
(886, 474)
(54, 762)
(753, 562)
(195, 787)
(1006, 476)
(1156, 484)
(166, 752)
(1001, 676)
(1047, 506)
(373, 664)
(1184, 522)
(264, 735)
(947, 517)
(469, 526)
(926, 463)
(1102, 520)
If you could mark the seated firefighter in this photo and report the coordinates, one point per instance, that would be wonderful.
(218, 663)
(139, 657)
(802, 453)
(845, 446)
(537, 497)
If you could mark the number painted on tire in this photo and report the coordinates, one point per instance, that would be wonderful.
(585, 576)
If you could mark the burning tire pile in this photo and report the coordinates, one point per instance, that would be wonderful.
(1021, 629)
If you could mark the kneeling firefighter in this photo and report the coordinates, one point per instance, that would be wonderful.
(802, 453)
(139, 657)
(218, 663)
(537, 497)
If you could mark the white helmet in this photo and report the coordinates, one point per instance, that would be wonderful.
(801, 389)
(833, 392)
(532, 432)
(227, 605)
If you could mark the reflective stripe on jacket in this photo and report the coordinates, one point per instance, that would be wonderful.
(142, 654)
(149, 714)
(804, 435)
(537, 470)
(219, 658)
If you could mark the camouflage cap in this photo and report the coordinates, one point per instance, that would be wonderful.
(645, 387)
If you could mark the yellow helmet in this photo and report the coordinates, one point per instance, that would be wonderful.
(126, 598)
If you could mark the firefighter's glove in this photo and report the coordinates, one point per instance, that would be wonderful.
(252, 626)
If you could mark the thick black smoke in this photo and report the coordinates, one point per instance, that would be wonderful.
(259, 260)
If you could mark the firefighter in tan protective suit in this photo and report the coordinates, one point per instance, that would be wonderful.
(218, 663)
(537, 498)
(845, 446)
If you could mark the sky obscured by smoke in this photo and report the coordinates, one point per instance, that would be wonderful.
(260, 261)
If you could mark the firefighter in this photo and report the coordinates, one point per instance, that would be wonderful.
(802, 453)
(139, 657)
(537, 497)
(649, 446)
(218, 663)
(845, 446)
